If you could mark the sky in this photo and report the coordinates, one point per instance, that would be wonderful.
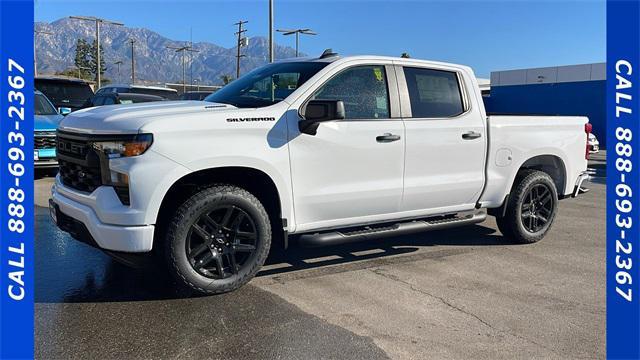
(486, 35)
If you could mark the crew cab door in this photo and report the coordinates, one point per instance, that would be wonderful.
(351, 170)
(445, 139)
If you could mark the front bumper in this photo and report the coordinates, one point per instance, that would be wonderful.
(83, 224)
(45, 163)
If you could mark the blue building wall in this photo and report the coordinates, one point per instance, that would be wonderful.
(583, 98)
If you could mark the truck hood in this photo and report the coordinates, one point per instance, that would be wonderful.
(127, 119)
(46, 122)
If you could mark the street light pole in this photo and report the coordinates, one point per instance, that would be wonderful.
(271, 55)
(183, 49)
(297, 32)
(98, 21)
(98, 67)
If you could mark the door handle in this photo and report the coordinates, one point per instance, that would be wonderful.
(470, 135)
(387, 137)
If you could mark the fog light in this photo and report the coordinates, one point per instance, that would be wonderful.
(119, 179)
(120, 183)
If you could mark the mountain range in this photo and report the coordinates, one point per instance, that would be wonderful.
(154, 62)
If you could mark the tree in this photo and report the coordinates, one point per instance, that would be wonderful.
(226, 79)
(93, 60)
(81, 59)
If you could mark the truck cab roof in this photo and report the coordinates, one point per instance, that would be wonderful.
(330, 57)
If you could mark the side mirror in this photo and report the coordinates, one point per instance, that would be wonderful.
(317, 111)
(64, 111)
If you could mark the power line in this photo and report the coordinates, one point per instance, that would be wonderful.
(242, 41)
(133, 62)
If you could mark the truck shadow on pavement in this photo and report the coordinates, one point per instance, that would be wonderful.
(378, 252)
(68, 271)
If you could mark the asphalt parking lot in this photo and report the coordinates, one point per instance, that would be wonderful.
(462, 293)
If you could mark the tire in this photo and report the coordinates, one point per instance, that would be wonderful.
(531, 208)
(217, 240)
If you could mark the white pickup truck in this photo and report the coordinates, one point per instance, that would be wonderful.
(324, 150)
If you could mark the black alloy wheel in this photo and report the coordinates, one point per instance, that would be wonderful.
(217, 239)
(221, 242)
(537, 208)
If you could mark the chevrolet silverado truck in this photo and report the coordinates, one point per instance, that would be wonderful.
(319, 151)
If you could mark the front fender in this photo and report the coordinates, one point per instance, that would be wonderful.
(281, 179)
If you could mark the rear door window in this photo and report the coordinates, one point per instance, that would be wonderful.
(433, 93)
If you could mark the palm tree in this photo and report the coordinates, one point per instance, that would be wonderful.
(226, 79)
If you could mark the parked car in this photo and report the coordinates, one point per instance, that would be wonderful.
(324, 151)
(124, 98)
(594, 144)
(195, 95)
(64, 92)
(167, 93)
(46, 120)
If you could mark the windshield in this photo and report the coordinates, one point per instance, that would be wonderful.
(267, 85)
(43, 107)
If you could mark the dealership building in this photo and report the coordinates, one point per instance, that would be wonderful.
(559, 90)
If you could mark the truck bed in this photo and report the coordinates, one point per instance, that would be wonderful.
(515, 138)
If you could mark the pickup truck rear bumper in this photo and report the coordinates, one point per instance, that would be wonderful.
(578, 189)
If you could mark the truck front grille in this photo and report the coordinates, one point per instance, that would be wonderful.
(74, 147)
(79, 163)
(79, 177)
(44, 140)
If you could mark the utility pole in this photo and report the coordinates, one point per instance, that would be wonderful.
(271, 57)
(297, 32)
(98, 21)
(183, 49)
(241, 42)
(191, 56)
(133, 63)
(119, 62)
(35, 63)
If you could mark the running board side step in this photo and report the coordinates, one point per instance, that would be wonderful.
(389, 229)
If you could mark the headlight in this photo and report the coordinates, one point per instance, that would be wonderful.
(114, 147)
(126, 146)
